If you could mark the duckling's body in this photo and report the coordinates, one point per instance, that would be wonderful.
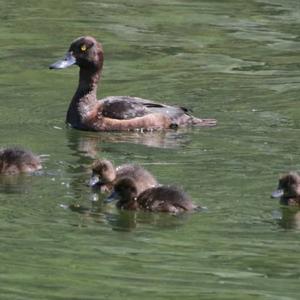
(105, 175)
(16, 160)
(115, 113)
(288, 189)
(156, 199)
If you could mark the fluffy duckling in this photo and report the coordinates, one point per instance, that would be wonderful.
(155, 199)
(16, 160)
(288, 189)
(105, 175)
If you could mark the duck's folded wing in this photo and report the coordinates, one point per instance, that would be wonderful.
(124, 108)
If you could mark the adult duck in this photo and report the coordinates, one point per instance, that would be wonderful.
(114, 113)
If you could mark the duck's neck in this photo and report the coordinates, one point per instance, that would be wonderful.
(85, 98)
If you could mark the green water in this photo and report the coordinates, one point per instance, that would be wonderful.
(237, 61)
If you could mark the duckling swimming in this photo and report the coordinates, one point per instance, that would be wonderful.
(288, 189)
(156, 199)
(16, 160)
(105, 175)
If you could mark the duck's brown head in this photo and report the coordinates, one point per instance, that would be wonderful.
(288, 187)
(103, 172)
(85, 52)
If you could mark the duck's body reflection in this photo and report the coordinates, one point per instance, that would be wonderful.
(89, 144)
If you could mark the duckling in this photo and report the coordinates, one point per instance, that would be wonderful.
(156, 199)
(16, 160)
(115, 113)
(105, 175)
(288, 189)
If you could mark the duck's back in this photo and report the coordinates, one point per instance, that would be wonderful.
(165, 199)
(126, 108)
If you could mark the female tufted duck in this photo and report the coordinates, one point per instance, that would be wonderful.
(116, 112)
(288, 189)
(105, 175)
(155, 199)
(15, 160)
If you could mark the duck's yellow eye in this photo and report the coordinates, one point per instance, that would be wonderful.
(83, 47)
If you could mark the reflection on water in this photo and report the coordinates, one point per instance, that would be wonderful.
(19, 183)
(122, 220)
(289, 218)
(89, 143)
(14, 183)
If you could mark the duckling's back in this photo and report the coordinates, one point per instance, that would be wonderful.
(143, 179)
(165, 199)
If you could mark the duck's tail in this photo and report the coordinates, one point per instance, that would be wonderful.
(187, 120)
(202, 122)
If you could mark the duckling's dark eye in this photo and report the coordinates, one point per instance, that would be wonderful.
(83, 48)
(133, 190)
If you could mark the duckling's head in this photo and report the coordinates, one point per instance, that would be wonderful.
(16, 160)
(288, 186)
(126, 189)
(85, 52)
(103, 172)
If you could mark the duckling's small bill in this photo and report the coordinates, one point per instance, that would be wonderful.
(277, 193)
(94, 180)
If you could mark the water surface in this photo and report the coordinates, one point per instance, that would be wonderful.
(237, 61)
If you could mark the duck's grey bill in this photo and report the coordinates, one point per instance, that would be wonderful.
(277, 194)
(68, 61)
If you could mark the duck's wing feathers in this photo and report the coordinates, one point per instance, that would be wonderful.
(125, 108)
